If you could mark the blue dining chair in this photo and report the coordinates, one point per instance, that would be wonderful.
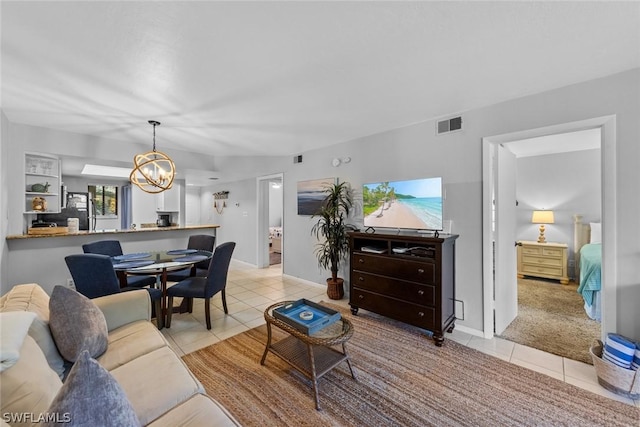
(205, 287)
(203, 242)
(93, 276)
(113, 248)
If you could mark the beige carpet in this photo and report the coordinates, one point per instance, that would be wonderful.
(551, 318)
(403, 380)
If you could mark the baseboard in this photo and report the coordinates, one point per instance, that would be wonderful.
(470, 331)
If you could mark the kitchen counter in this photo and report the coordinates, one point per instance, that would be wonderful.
(41, 259)
(112, 231)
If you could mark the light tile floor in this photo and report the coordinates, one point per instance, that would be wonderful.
(250, 290)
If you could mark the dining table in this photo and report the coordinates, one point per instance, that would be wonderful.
(159, 264)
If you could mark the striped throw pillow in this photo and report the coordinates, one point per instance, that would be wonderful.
(619, 350)
(635, 365)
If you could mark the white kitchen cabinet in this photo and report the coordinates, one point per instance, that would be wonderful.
(168, 200)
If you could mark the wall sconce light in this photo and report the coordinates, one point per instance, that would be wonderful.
(542, 218)
(336, 161)
(219, 202)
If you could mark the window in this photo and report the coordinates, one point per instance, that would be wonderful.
(105, 199)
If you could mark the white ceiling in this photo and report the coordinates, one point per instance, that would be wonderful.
(280, 78)
(589, 139)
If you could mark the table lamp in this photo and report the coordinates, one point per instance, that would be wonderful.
(542, 218)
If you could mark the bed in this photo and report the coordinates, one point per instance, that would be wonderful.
(588, 256)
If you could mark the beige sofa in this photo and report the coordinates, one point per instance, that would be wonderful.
(159, 386)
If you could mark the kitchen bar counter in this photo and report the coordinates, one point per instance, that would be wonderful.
(40, 259)
(103, 232)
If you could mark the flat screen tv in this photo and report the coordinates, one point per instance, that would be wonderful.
(413, 204)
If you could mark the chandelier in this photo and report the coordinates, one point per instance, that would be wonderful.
(153, 172)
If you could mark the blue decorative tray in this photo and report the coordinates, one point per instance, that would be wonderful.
(293, 314)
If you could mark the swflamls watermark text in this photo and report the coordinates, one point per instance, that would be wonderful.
(30, 417)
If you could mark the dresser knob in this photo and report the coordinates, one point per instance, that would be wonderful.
(361, 261)
(361, 296)
(361, 279)
(420, 292)
(420, 270)
(421, 314)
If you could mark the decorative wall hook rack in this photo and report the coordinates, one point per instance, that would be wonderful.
(219, 202)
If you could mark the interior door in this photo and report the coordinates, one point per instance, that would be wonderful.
(505, 285)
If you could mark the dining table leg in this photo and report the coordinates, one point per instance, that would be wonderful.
(163, 284)
(122, 278)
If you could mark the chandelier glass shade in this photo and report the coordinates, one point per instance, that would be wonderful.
(154, 171)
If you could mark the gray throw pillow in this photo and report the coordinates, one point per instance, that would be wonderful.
(76, 324)
(90, 396)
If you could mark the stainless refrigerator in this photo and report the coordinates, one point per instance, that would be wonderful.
(76, 205)
(83, 205)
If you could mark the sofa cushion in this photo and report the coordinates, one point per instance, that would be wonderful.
(199, 410)
(156, 382)
(90, 396)
(13, 330)
(130, 342)
(31, 297)
(29, 386)
(76, 324)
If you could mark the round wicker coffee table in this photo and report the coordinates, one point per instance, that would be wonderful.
(312, 355)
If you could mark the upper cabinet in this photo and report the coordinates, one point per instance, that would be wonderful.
(42, 183)
(168, 200)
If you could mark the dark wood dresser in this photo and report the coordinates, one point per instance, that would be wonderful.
(405, 276)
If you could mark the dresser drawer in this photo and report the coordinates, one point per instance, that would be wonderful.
(422, 272)
(542, 251)
(541, 261)
(541, 270)
(424, 317)
(410, 291)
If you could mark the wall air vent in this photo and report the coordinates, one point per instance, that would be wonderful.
(297, 159)
(449, 125)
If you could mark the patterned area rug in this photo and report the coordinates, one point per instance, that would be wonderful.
(403, 380)
(551, 318)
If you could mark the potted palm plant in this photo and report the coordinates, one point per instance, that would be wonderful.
(331, 231)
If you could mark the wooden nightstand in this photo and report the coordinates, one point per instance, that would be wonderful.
(548, 260)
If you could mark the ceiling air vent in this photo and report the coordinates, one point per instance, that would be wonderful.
(449, 125)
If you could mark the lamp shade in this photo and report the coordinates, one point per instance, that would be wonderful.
(542, 217)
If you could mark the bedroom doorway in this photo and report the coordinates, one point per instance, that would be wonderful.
(270, 214)
(497, 285)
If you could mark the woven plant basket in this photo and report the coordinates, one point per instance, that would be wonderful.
(625, 382)
(335, 290)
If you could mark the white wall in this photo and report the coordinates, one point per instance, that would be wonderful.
(275, 206)
(192, 206)
(238, 221)
(567, 183)
(4, 200)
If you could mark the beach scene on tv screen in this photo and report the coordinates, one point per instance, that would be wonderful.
(414, 204)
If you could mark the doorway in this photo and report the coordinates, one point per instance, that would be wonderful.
(270, 241)
(500, 301)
